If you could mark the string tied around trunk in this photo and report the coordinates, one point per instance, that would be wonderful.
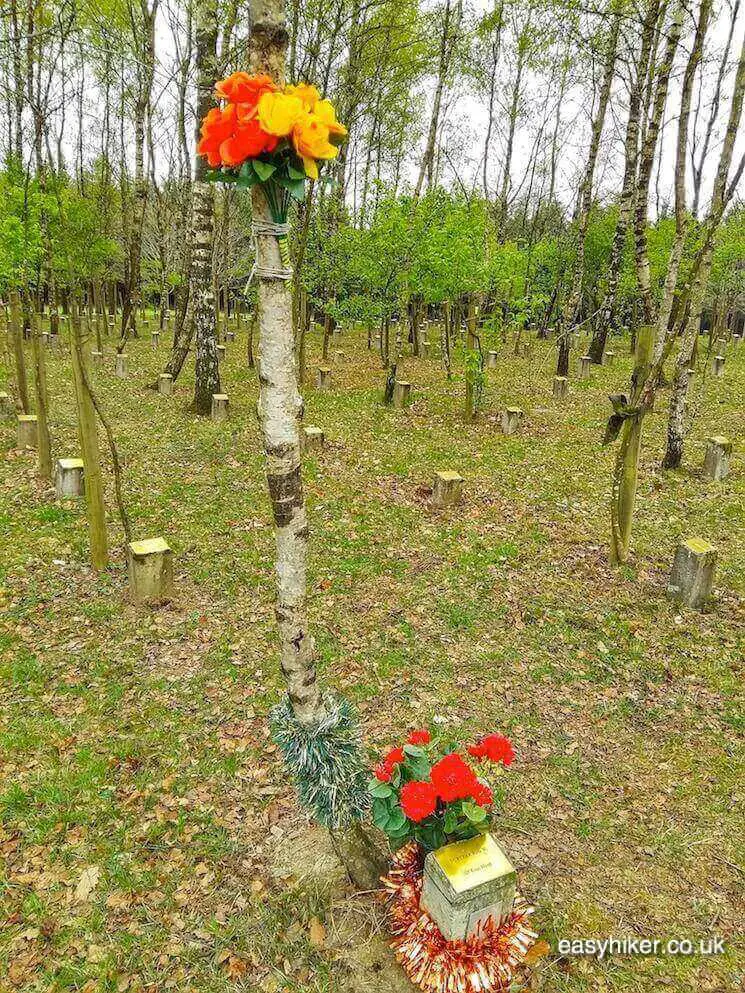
(280, 231)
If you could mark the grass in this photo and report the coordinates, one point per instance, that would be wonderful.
(135, 744)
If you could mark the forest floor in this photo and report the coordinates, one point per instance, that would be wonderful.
(149, 838)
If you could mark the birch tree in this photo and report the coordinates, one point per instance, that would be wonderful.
(310, 725)
(724, 189)
(201, 291)
(570, 312)
(608, 316)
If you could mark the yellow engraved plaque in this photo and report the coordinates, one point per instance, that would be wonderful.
(470, 863)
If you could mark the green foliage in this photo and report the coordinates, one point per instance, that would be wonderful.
(445, 245)
(81, 250)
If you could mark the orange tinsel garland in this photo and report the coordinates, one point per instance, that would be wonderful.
(484, 963)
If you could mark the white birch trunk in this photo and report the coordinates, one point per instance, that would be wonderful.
(280, 412)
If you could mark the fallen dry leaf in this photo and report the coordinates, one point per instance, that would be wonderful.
(316, 932)
(537, 951)
(87, 883)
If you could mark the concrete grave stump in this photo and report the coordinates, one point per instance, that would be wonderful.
(27, 431)
(230, 337)
(491, 360)
(221, 351)
(323, 378)
(609, 357)
(585, 362)
(97, 359)
(692, 575)
(717, 458)
(69, 478)
(717, 365)
(561, 385)
(401, 394)
(154, 339)
(467, 883)
(447, 489)
(150, 568)
(511, 419)
(165, 384)
(219, 407)
(313, 438)
(120, 367)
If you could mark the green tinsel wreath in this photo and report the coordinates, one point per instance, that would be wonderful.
(326, 761)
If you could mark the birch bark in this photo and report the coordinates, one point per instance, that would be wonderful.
(280, 412)
(570, 311)
(201, 295)
(625, 208)
(722, 194)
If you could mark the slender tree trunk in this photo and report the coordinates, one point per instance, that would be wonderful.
(608, 317)
(88, 434)
(42, 403)
(572, 304)
(724, 189)
(697, 168)
(470, 404)
(16, 333)
(646, 162)
(207, 373)
(144, 33)
(626, 471)
(446, 50)
(502, 203)
(681, 217)
(280, 411)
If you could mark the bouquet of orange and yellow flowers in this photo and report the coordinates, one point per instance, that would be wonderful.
(264, 133)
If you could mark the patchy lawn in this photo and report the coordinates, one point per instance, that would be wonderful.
(149, 838)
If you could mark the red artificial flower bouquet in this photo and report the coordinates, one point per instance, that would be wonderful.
(430, 793)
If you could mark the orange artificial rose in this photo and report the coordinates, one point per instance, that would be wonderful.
(248, 142)
(217, 126)
(310, 136)
(228, 141)
(244, 88)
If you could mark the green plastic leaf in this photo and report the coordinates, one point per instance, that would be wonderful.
(264, 170)
(418, 768)
(396, 820)
(297, 190)
(380, 789)
(380, 814)
(473, 812)
(295, 187)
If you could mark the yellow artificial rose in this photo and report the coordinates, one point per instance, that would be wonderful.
(310, 136)
(308, 94)
(279, 112)
(325, 112)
